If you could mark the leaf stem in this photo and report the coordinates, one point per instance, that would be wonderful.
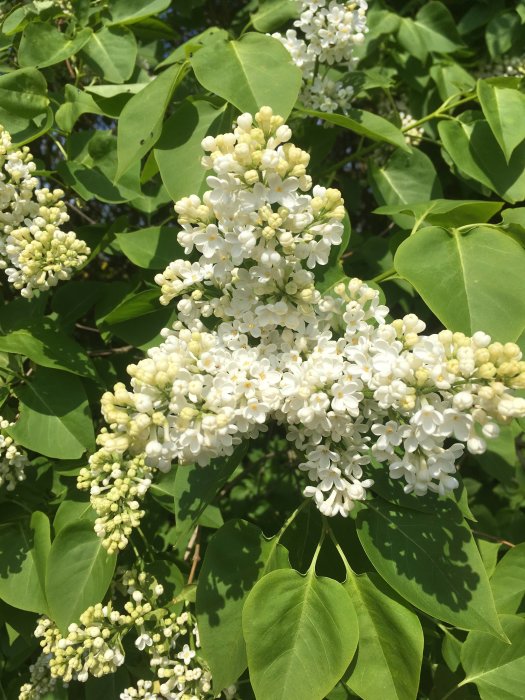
(292, 517)
(388, 274)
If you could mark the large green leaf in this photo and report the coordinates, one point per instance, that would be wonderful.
(508, 580)
(237, 556)
(79, 572)
(363, 123)
(235, 71)
(476, 153)
(42, 44)
(152, 248)
(497, 668)
(301, 633)
(390, 642)
(54, 415)
(431, 560)
(503, 105)
(472, 280)
(20, 564)
(47, 346)
(112, 52)
(178, 151)
(140, 125)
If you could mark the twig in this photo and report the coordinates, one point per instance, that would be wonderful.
(112, 351)
(81, 213)
(191, 543)
(81, 327)
(70, 69)
(195, 560)
(491, 537)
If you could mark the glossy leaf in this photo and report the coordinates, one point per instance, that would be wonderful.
(79, 572)
(480, 281)
(301, 633)
(234, 71)
(272, 14)
(237, 556)
(508, 580)
(152, 248)
(445, 212)
(432, 561)
(129, 11)
(503, 105)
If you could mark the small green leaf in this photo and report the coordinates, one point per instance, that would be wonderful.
(503, 105)
(79, 572)
(301, 634)
(54, 415)
(237, 556)
(139, 125)
(19, 572)
(129, 11)
(497, 668)
(363, 123)
(445, 212)
(111, 52)
(23, 103)
(272, 14)
(72, 511)
(152, 248)
(431, 560)
(508, 580)
(234, 71)
(480, 281)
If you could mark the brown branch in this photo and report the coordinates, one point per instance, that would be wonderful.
(111, 351)
(70, 70)
(195, 560)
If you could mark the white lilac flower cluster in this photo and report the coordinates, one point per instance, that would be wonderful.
(13, 459)
(34, 250)
(506, 66)
(329, 33)
(348, 386)
(94, 647)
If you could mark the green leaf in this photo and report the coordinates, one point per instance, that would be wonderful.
(129, 11)
(438, 28)
(178, 152)
(363, 123)
(234, 71)
(237, 556)
(480, 281)
(54, 415)
(19, 569)
(72, 511)
(497, 668)
(152, 248)
(445, 212)
(139, 125)
(42, 44)
(476, 153)
(503, 105)
(23, 99)
(301, 633)
(502, 32)
(139, 304)
(196, 487)
(111, 52)
(272, 14)
(390, 642)
(50, 347)
(41, 528)
(193, 44)
(404, 178)
(79, 572)
(431, 560)
(508, 580)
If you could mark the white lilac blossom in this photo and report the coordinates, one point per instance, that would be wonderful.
(13, 459)
(328, 35)
(348, 386)
(34, 250)
(94, 645)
